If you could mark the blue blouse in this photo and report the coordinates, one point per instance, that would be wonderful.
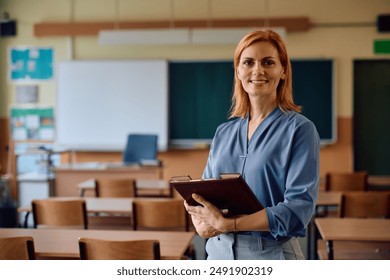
(280, 163)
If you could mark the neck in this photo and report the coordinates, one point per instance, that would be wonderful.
(261, 111)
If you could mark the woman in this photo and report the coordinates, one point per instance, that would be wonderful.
(273, 147)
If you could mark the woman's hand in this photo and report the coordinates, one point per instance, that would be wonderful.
(203, 229)
(207, 219)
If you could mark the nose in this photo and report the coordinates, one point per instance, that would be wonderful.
(259, 68)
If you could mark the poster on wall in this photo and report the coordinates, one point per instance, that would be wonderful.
(34, 123)
(31, 64)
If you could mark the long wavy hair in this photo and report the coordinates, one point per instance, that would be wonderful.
(284, 97)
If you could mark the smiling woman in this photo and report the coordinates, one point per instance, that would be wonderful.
(273, 147)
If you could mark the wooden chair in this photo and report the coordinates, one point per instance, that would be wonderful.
(115, 188)
(369, 204)
(341, 182)
(17, 248)
(162, 214)
(98, 249)
(353, 181)
(50, 213)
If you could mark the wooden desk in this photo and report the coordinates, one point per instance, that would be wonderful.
(325, 199)
(365, 231)
(63, 244)
(379, 182)
(328, 199)
(145, 187)
(67, 177)
(97, 205)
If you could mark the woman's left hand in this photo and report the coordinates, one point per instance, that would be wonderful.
(207, 213)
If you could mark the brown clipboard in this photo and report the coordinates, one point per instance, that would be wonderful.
(229, 192)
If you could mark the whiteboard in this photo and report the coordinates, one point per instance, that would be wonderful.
(100, 102)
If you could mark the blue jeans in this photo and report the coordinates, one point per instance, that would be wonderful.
(232, 246)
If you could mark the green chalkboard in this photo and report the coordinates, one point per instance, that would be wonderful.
(313, 90)
(371, 119)
(200, 97)
(200, 94)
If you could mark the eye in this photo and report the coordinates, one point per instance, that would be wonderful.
(268, 62)
(247, 62)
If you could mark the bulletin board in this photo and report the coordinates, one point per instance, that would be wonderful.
(33, 123)
(30, 63)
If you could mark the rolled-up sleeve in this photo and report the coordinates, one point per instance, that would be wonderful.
(291, 216)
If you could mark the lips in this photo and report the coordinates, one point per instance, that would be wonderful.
(258, 82)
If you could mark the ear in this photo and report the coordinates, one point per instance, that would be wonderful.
(283, 77)
(238, 74)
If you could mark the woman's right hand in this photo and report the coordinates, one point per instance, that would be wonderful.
(203, 229)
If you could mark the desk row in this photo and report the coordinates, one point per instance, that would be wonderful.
(144, 213)
(64, 243)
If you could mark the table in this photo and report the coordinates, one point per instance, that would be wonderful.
(145, 187)
(329, 198)
(374, 231)
(68, 176)
(63, 243)
(378, 182)
(325, 199)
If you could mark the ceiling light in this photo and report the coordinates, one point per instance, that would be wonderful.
(144, 36)
(226, 35)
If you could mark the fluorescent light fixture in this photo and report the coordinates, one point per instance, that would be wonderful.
(144, 37)
(225, 35)
(178, 36)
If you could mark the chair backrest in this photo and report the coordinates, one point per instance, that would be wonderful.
(66, 213)
(17, 248)
(365, 204)
(98, 249)
(140, 147)
(349, 181)
(115, 187)
(160, 214)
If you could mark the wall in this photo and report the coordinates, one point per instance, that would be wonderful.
(343, 30)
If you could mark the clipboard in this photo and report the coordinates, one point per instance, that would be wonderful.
(229, 192)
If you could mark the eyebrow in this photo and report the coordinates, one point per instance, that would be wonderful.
(267, 57)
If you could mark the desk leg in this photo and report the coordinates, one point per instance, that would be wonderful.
(329, 248)
(25, 223)
(312, 237)
(309, 240)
